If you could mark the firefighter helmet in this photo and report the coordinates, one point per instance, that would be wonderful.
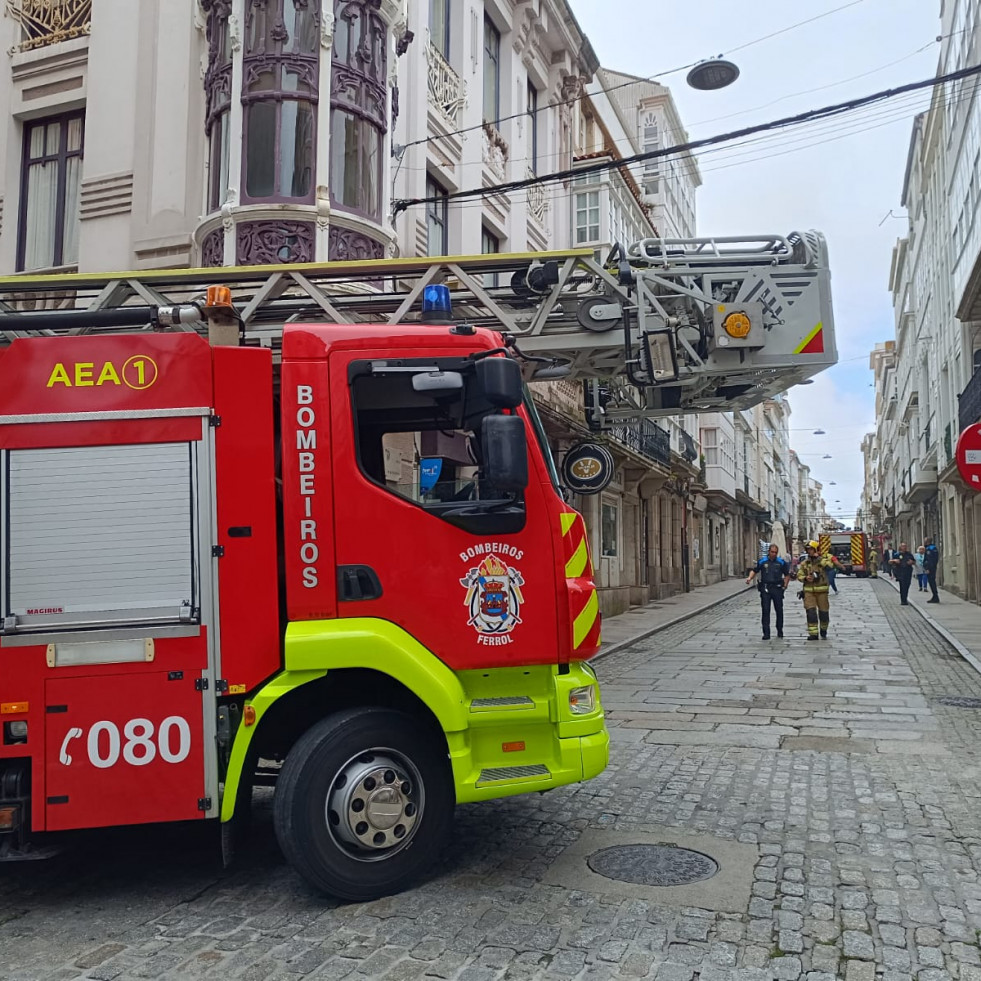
(813, 545)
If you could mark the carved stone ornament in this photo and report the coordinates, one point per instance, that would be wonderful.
(345, 243)
(271, 241)
(213, 249)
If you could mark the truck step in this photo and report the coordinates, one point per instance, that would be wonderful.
(503, 702)
(507, 774)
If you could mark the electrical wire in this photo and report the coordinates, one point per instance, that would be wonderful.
(786, 122)
(612, 88)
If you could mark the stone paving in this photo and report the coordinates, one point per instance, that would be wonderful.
(855, 793)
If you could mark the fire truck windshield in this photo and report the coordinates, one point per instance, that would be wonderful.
(541, 438)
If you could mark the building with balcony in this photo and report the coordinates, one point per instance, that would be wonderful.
(927, 376)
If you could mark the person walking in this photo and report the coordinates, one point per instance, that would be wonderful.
(931, 559)
(904, 563)
(832, 572)
(774, 574)
(813, 573)
(919, 571)
(887, 556)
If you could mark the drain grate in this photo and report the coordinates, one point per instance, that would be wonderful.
(960, 701)
(653, 865)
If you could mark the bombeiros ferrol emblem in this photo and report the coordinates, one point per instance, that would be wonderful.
(493, 599)
(587, 468)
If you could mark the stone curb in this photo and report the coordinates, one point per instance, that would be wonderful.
(646, 632)
(964, 652)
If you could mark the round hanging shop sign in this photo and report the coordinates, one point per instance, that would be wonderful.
(968, 456)
(587, 468)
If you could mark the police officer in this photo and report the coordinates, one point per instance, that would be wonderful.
(774, 574)
(814, 575)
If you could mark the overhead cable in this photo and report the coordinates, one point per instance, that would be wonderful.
(785, 122)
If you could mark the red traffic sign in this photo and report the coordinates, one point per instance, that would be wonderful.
(968, 456)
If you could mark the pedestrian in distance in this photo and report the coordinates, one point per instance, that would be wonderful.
(774, 574)
(832, 572)
(931, 560)
(813, 573)
(887, 554)
(904, 563)
(919, 571)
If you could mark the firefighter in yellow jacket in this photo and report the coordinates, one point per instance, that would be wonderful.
(813, 573)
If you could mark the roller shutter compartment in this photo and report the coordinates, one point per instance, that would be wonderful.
(99, 536)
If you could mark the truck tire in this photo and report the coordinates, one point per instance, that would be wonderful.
(357, 817)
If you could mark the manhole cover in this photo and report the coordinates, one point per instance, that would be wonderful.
(960, 701)
(653, 865)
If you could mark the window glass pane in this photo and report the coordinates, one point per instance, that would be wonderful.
(532, 129)
(219, 161)
(260, 165)
(343, 159)
(492, 71)
(610, 530)
(73, 199)
(437, 239)
(296, 149)
(74, 135)
(369, 169)
(301, 26)
(439, 26)
(42, 215)
(35, 148)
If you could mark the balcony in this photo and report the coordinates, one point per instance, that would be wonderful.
(922, 483)
(645, 438)
(969, 402)
(45, 22)
(447, 91)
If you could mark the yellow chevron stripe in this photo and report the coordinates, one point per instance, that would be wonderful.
(568, 519)
(857, 557)
(576, 565)
(584, 622)
(807, 340)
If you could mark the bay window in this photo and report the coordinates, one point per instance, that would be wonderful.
(358, 108)
(279, 94)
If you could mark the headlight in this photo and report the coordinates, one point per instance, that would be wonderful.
(582, 701)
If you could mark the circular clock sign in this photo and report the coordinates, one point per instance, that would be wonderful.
(587, 468)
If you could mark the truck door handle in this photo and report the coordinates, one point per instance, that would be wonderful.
(358, 582)
(240, 531)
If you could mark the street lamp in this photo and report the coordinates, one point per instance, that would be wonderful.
(712, 74)
(819, 432)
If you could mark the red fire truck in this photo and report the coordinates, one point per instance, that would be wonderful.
(214, 572)
(335, 558)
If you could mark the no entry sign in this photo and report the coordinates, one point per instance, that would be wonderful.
(968, 456)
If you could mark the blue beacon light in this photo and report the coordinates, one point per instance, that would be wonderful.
(436, 305)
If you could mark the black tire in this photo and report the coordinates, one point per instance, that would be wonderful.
(337, 766)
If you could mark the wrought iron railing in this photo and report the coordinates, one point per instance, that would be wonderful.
(447, 91)
(46, 22)
(969, 402)
(646, 438)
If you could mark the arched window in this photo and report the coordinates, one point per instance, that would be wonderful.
(279, 94)
(358, 99)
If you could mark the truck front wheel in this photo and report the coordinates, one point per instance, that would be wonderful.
(356, 816)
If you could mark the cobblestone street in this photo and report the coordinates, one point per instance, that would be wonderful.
(828, 779)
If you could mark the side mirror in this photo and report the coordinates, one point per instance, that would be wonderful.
(505, 449)
(500, 382)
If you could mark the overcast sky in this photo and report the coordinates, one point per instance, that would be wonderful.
(842, 178)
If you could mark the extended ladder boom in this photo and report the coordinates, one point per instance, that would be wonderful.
(670, 325)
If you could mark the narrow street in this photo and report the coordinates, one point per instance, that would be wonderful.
(838, 794)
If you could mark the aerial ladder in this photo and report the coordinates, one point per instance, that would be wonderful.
(658, 328)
